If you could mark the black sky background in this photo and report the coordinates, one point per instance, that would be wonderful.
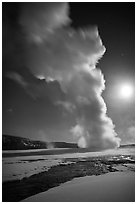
(116, 24)
(23, 116)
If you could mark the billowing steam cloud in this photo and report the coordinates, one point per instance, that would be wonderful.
(55, 51)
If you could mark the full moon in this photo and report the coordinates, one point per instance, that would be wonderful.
(126, 91)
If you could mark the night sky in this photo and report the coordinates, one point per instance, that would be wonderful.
(38, 85)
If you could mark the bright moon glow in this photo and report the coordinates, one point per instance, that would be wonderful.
(126, 91)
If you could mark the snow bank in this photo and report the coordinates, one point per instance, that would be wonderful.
(112, 187)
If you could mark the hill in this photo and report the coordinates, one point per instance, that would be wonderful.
(127, 145)
(20, 143)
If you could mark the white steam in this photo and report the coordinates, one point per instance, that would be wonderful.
(58, 52)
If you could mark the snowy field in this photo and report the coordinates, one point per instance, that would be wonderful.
(111, 187)
(65, 175)
(14, 168)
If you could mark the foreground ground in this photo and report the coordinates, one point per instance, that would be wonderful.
(110, 187)
(53, 170)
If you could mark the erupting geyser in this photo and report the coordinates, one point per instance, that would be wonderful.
(56, 51)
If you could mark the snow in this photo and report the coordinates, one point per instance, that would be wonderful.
(24, 166)
(111, 187)
(30, 150)
(69, 153)
(19, 167)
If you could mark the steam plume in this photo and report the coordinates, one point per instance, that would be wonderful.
(56, 51)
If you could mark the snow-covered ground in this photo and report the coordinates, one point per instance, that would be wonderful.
(31, 150)
(24, 166)
(19, 167)
(71, 153)
(111, 187)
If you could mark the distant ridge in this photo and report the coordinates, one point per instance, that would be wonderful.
(127, 145)
(10, 142)
(20, 143)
